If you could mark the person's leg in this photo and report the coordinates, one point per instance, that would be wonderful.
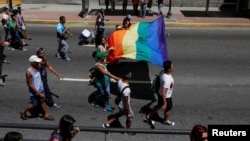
(6, 30)
(107, 106)
(20, 43)
(65, 49)
(43, 104)
(155, 108)
(97, 96)
(28, 108)
(33, 102)
(59, 49)
(141, 9)
(99, 35)
(47, 92)
(168, 112)
(144, 10)
(114, 117)
(129, 119)
(160, 9)
(1, 80)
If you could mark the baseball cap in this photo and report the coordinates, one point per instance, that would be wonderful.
(34, 58)
(101, 54)
(129, 16)
(38, 50)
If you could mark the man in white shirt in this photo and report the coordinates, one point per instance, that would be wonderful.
(124, 105)
(164, 94)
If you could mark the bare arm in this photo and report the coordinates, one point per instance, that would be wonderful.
(103, 71)
(164, 91)
(126, 105)
(52, 69)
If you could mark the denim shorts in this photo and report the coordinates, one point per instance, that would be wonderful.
(36, 100)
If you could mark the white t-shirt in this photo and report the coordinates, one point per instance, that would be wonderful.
(5, 16)
(126, 92)
(166, 81)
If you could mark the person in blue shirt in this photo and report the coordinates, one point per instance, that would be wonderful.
(62, 35)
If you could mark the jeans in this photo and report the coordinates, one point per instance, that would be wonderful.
(19, 40)
(143, 10)
(62, 44)
(102, 94)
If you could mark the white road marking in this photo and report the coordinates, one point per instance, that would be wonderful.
(87, 80)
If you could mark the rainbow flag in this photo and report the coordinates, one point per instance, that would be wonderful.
(143, 41)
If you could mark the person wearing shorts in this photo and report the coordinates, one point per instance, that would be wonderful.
(164, 94)
(36, 89)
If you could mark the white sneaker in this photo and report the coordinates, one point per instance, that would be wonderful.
(150, 121)
(56, 106)
(24, 49)
(168, 122)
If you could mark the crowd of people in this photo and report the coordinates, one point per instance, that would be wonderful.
(40, 94)
(139, 6)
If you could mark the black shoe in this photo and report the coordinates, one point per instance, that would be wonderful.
(150, 121)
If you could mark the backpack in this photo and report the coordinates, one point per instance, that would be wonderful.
(155, 85)
(119, 97)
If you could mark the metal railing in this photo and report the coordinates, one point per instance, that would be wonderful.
(96, 129)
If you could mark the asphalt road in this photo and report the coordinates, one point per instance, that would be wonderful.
(211, 71)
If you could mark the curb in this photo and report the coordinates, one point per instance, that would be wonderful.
(168, 24)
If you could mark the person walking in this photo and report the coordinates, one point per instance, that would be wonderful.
(99, 27)
(102, 82)
(164, 94)
(160, 5)
(62, 35)
(5, 23)
(107, 4)
(124, 6)
(199, 133)
(66, 130)
(143, 7)
(2, 60)
(43, 70)
(124, 104)
(22, 24)
(149, 6)
(135, 6)
(15, 33)
(36, 89)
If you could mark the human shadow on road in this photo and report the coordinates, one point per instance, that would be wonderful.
(146, 109)
(140, 81)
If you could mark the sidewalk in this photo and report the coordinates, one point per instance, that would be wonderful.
(181, 16)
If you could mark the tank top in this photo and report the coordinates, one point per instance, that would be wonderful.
(36, 81)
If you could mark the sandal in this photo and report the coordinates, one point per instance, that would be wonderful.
(49, 118)
(23, 116)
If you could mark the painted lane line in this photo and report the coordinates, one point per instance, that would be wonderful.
(87, 80)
